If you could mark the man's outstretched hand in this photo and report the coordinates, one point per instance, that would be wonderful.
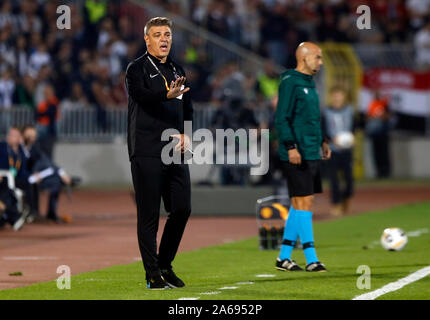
(175, 89)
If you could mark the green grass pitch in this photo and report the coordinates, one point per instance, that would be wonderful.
(339, 246)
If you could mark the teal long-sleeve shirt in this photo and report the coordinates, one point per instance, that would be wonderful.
(298, 118)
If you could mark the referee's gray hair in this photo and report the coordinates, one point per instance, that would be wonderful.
(157, 21)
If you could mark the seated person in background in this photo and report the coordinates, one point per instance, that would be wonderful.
(13, 159)
(8, 207)
(45, 175)
(33, 154)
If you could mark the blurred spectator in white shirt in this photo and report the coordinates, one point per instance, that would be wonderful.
(77, 99)
(199, 12)
(117, 51)
(107, 27)
(22, 60)
(7, 88)
(27, 19)
(39, 58)
(422, 46)
(7, 57)
(418, 10)
(251, 22)
(6, 16)
(42, 79)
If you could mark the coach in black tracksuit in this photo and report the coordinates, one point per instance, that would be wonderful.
(158, 100)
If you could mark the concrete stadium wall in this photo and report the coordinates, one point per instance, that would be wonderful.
(108, 164)
(410, 157)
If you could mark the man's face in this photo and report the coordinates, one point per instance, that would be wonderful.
(338, 99)
(159, 41)
(30, 136)
(48, 92)
(14, 137)
(314, 61)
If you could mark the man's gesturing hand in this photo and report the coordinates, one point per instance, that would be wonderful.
(184, 142)
(294, 156)
(175, 89)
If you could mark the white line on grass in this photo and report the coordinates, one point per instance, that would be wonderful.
(393, 286)
(190, 298)
(265, 275)
(210, 293)
(228, 288)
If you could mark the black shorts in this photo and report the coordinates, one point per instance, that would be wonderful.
(303, 179)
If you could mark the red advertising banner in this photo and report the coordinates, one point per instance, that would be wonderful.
(407, 91)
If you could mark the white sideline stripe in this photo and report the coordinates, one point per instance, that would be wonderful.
(393, 286)
(28, 258)
(190, 298)
(228, 288)
(210, 293)
(265, 275)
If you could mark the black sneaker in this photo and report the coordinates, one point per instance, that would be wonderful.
(316, 267)
(172, 280)
(157, 283)
(287, 265)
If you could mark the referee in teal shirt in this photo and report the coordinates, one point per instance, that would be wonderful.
(301, 148)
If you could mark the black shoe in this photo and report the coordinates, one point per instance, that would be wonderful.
(287, 265)
(316, 267)
(172, 280)
(157, 283)
(55, 219)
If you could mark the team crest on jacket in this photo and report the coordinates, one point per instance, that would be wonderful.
(305, 90)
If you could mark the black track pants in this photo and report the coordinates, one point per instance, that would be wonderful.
(152, 181)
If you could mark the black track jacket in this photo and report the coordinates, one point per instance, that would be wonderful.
(149, 110)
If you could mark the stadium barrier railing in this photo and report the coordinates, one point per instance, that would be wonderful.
(386, 55)
(82, 124)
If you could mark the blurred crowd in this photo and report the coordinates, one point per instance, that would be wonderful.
(275, 27)
(86, 64)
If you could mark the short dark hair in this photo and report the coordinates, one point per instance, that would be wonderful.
(157, 21)
(14, 128)
(26, 127)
